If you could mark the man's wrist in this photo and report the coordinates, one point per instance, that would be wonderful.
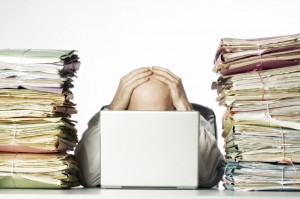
(184, 106)
(111, 107)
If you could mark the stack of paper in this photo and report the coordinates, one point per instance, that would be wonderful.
(37, 135)
(22, 170)
(259, 84)
(248, 176)
(244, 55)
(31, 103)
(35, 118)
(46, 70)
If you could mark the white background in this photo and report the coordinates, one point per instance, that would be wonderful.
(114, 37)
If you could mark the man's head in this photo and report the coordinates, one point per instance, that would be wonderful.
(151, 95)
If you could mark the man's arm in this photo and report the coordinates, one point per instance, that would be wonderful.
(206, 125)
(211, 163)
(87, 153)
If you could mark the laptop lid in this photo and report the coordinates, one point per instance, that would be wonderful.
(149, 149)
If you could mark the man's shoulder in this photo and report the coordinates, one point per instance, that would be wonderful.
(94, 120)
(206, 125)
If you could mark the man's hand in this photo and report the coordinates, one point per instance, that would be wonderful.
(180, 101)
(126, 86)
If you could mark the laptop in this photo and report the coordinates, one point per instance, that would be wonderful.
(149, 149)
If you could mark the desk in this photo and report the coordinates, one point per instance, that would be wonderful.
(90, 193)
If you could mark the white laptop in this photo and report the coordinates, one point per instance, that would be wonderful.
(149, 149)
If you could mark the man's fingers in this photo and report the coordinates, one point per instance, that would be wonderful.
(165, 73)
(139, 82)
(165, 70)
(135, 72)
(163, 79)
(144, 76)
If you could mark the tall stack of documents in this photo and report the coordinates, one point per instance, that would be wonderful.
(259, 85)
(35, 118)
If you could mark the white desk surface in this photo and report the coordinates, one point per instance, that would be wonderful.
(89, 193)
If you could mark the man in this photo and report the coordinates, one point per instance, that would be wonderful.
(147, 88)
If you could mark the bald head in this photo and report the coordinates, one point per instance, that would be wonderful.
(151, 95)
